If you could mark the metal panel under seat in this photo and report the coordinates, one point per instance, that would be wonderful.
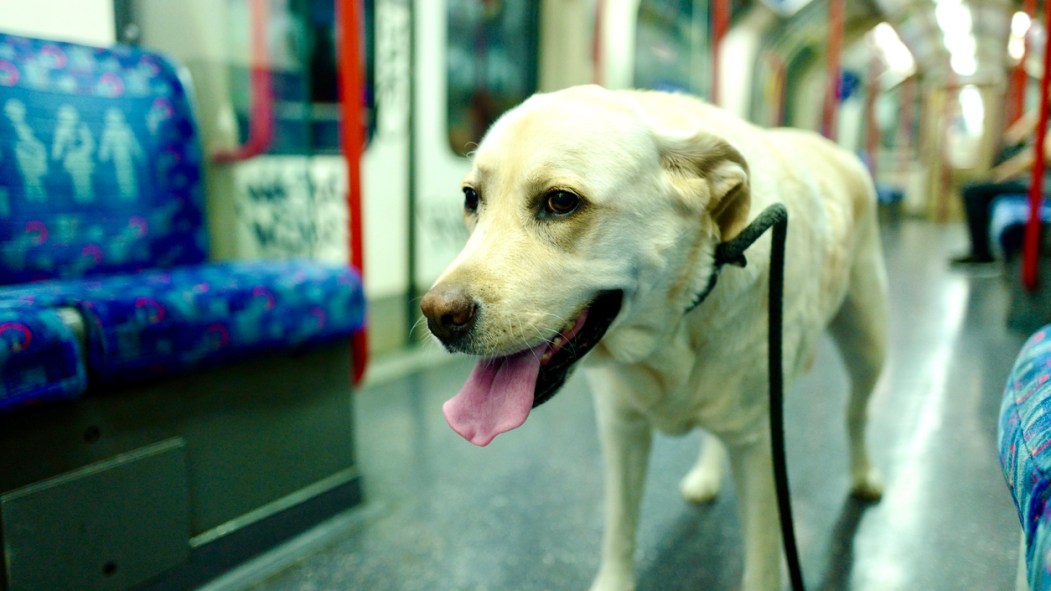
(166, 485)
(109, 525)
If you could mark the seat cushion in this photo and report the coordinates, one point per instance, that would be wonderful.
(40, 357)
(887, 194)
(99, 162)
(1009, 214)
(1024, 435)
(158, 323)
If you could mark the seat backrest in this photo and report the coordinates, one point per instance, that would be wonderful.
(100, 166)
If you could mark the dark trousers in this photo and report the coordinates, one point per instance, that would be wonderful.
(977, 202)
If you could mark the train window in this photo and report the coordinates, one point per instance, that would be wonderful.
(671, 48)
(492, 64)
(302, 39)
(301, 53)
(786, 8)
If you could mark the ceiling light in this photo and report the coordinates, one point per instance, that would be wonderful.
(1020, 23)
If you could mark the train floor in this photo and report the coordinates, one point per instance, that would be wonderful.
(525, 513)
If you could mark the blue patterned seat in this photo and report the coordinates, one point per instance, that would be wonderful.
(99, 163)
(157, 323)
(101, 210)
(1024, 435)
(40, 357)
(1009, 214)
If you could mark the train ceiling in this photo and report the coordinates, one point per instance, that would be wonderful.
(950, 41)
(954, 41)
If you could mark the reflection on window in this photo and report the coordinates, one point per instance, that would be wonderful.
(301, 37)
(492, 63)
(786, 8)
(671, 49)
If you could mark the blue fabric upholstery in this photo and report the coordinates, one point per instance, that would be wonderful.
(887, 194)
(1024, 436)
(99, 162)
(40, 357)
(159, 323)
(1008, 219)
(101, 210)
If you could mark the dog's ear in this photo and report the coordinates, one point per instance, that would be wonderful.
(706, 169)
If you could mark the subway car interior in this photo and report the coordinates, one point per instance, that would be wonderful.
(251, 250)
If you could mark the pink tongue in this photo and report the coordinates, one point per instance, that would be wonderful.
(496, 398)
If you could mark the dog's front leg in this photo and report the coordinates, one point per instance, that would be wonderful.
(752, 465)
(626, 439)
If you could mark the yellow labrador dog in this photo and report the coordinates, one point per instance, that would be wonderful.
(594, 216)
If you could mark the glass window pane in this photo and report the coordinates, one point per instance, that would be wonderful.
(301, 39)
(492, 64)
(671, 48)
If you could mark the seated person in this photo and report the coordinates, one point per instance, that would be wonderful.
(1010, 175)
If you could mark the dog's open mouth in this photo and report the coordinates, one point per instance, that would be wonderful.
(501, 391)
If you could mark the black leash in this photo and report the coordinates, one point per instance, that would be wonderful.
(732, 253)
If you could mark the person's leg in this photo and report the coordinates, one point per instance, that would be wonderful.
(977, 201)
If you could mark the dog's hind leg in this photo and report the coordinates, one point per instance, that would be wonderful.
(702, 483)
(860, 331)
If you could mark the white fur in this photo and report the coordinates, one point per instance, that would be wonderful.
(665, 178)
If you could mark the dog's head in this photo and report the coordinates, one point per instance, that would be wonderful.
(588, 220)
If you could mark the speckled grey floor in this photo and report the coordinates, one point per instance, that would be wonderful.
(525, 513)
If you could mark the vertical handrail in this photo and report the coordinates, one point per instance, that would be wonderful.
(906, 128)
(261, 122)
(720, 24)
(952, 98)
(353, 143)
(1031, 250)
(779, 72)
(832, 67)
(1018, 75)
(598, 76)
(872, 129)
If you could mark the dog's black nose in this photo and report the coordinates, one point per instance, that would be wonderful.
(450, 312)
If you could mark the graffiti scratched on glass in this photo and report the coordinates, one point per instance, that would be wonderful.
(293, 207)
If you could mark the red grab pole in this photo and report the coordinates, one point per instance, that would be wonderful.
(720, 24)
(351, 96)
(835, 49)
(1031, 250)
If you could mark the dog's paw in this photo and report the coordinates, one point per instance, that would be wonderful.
(607, 580)
(867, 487)
(701, 486)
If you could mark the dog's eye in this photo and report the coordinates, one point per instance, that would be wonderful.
(561, 202)
(470, 199)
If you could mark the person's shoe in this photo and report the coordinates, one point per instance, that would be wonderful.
(972, 260)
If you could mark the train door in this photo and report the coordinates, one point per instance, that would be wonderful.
(474, 60)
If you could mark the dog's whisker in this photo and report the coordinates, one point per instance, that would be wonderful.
(562, 322)
(417, 324)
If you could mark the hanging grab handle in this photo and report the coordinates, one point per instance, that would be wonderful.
(261, 123)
